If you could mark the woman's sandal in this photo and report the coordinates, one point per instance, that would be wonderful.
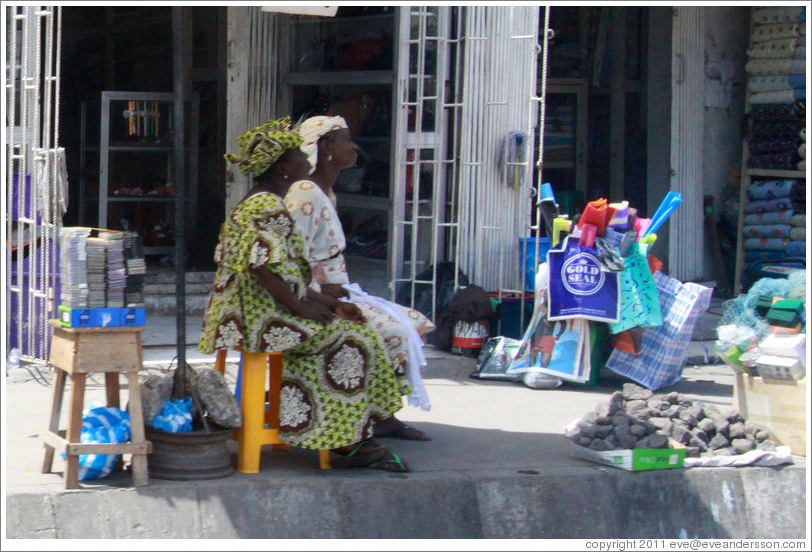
(355, 457)
(377, 457)
(391, 462)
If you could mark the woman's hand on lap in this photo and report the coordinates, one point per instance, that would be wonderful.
(314, 311)
(335, 290)
(351, 312)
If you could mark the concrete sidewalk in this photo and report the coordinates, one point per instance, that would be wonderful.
(498, 467)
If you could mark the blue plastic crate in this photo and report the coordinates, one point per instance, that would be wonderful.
(133, 317)
(106, 317)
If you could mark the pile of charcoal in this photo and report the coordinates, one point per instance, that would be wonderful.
(638, 418)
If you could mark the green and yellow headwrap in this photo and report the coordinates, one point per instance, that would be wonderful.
(262, 146)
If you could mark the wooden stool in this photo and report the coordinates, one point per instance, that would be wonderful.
(81, 351)
(254, 433)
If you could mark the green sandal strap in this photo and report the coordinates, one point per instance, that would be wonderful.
(391, 459)
(359, 447)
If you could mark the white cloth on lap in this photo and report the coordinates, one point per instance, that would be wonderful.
(416, 359)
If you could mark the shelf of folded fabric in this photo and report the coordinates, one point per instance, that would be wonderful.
(772, 224)
(772, 204)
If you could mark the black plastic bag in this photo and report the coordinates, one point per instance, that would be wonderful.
(469, 304)
(494, 359)
(445, 290)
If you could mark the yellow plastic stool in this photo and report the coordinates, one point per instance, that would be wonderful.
(260, 426)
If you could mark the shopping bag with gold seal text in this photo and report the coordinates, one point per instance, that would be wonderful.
(580, 287)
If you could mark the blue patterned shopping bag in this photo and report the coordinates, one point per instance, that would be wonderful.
(662, 352)
(639, 299)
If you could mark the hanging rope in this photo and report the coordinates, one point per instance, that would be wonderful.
(545, 41)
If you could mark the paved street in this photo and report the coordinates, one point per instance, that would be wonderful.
(492, 440)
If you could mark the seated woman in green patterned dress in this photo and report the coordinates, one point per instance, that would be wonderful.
(337, 378)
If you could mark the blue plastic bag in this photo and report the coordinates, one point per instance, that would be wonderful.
(579, 287)
(175, 417)
(102, 425)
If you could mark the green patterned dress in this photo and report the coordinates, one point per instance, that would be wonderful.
(337, 378)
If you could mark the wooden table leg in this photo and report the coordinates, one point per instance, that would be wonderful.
(112, 392)
(56, 410)
(139, 461)
(77, 402)
(112, 389)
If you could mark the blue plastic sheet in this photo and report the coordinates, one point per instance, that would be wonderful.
(175, 417)
(670, 202)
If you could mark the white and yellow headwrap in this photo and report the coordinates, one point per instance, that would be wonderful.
(314, 128)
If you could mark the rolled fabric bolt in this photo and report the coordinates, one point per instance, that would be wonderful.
(560, 226)
(598, 213)
(588, 234)
(631, 220)
(621, 216)
(670, 202)
(640, 226)
(627, 242)
(547, 192)
(646, 243)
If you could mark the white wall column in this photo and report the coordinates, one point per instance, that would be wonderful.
(686, 245)
(237, 76)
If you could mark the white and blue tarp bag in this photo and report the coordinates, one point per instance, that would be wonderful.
(662, 353)
(101, 425)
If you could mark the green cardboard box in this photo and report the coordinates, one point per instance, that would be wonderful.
(633, 459)
(763, 304)
(75, 317)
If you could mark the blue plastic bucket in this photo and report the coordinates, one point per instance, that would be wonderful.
(528, 246)
(511, 320)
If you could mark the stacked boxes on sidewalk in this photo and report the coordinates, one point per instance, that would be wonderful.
(104, 283)
(766, 346)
